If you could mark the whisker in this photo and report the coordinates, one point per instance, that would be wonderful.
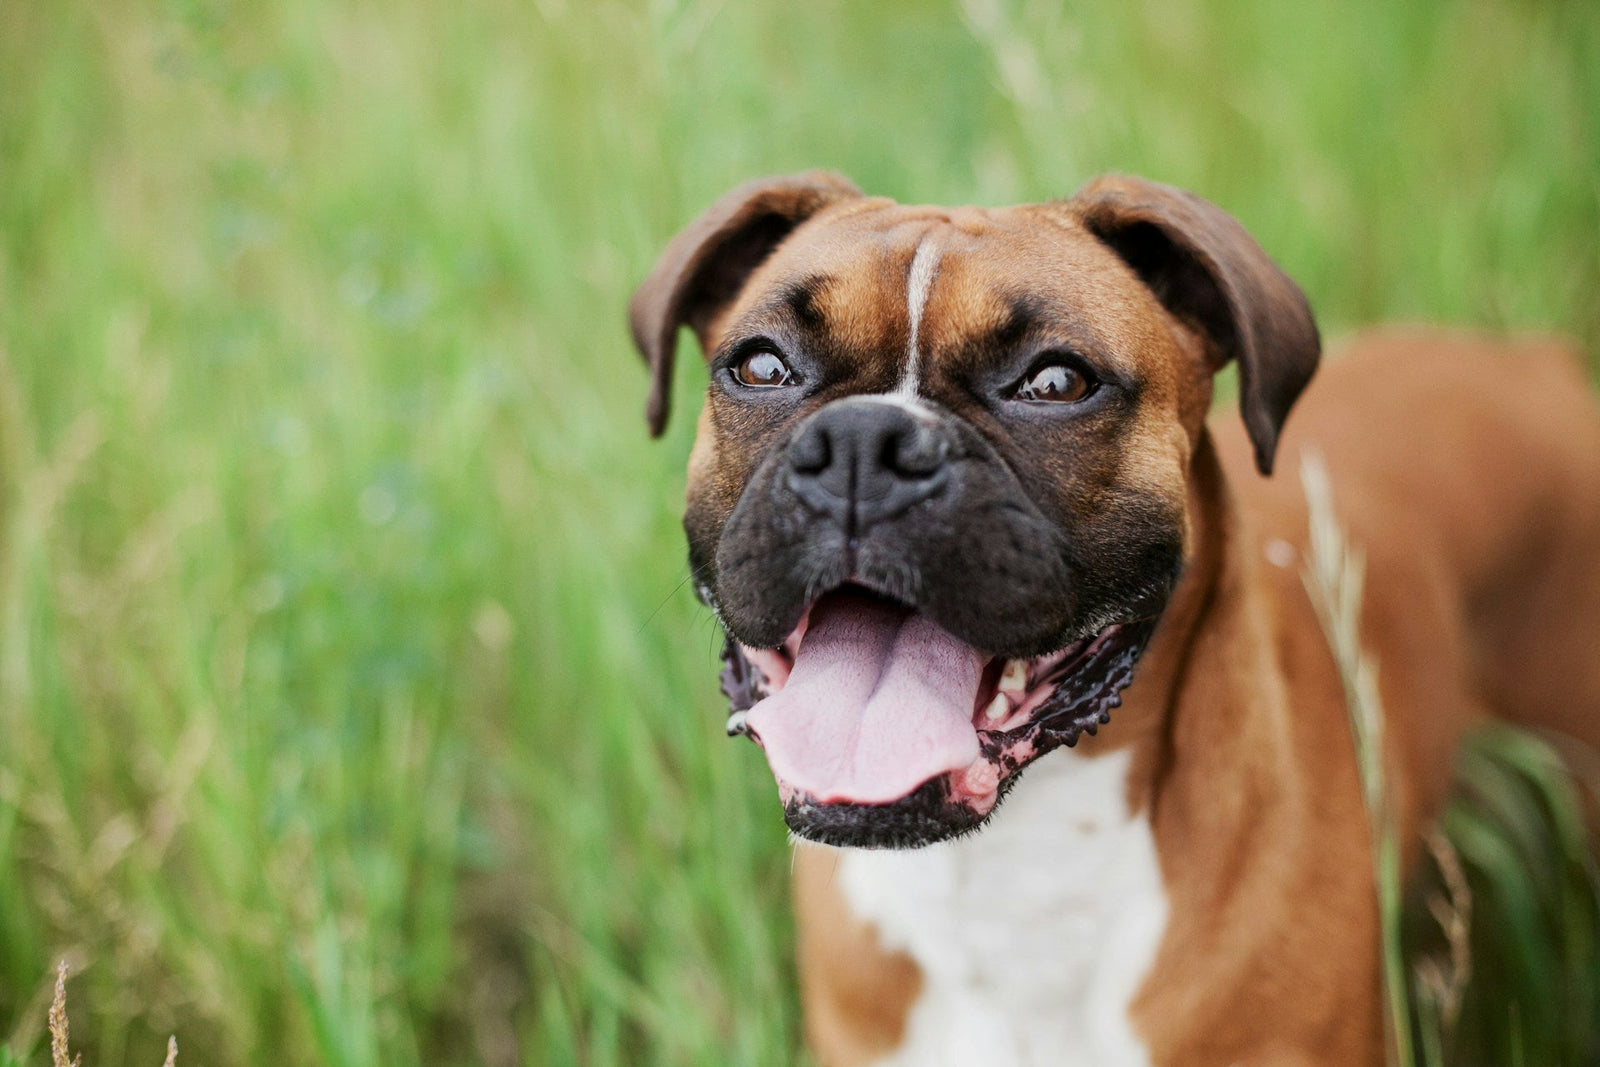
(694, 572)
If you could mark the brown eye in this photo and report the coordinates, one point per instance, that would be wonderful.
(763, 370)
(1054, 382)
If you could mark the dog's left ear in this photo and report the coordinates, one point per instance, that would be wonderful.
(1209, 272)
(706, 265)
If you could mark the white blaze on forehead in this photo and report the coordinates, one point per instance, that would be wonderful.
(919, 281)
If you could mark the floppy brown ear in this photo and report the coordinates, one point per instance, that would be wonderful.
(704, 267)
(1210, 273)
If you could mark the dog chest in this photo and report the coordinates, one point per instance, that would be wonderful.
(1033, 935)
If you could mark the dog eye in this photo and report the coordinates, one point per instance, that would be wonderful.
(1057, 382)
(763, 369)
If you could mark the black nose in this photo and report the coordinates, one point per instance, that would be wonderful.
(864, 461)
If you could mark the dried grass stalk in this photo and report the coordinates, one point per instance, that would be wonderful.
(58, 1028)
(58, 1022)
(1333, 578)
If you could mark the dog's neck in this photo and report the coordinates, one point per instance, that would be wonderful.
(1217, 562)
(1240, 787)
(1209, 750)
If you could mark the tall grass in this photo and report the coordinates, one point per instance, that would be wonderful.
(1497, 961)
(1519, 823)
(352, 710)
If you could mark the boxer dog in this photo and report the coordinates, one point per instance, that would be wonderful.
(955, 501)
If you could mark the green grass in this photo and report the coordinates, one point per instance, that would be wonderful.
(1517, 829)
(351, 707)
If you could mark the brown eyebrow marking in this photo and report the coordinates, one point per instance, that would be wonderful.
(800, 298)
(1016, 316)
(1018, 319)
(1032, 316)
(1024, 311)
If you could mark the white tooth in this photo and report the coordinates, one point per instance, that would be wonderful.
(998, 708)
(1014, 679)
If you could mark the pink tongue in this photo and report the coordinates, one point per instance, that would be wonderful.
(879, 701)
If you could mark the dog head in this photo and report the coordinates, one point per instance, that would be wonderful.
(938, 496)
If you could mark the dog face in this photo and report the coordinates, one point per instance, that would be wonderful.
(938, 494)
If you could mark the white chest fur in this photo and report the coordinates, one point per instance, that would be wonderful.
(1033, 935)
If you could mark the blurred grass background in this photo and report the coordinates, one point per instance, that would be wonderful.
(352, 711)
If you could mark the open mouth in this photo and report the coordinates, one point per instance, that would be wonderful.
(885, 730)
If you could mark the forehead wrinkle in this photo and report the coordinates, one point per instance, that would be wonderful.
(862, 309)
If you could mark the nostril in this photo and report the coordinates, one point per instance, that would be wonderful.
(812, 460)
(914, 452)
(811, 452)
